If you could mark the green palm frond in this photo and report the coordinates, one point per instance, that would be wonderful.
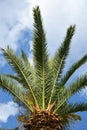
(77, 107)
(69, 108)
(12, 87)
(24, 57)
(60, 57)
(26, 62)
(68, 116)
(12, 77)
(67, 92)
(68, 112)
(40, 55)
(17, 64)
(72, 69)
(77, 85)
(70, 119)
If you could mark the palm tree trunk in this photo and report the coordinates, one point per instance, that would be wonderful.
(44, 121)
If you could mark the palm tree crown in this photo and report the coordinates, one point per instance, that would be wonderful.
(42, 87)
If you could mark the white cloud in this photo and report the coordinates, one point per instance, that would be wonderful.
(7, 110)
(10, 25)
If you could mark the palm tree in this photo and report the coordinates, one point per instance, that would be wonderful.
(42, 88)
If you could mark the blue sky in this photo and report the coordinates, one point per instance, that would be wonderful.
(16, 25)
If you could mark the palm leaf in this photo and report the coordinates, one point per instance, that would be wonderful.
(12, 77)
(72, 69)
(40, 55)
(20, 68)
(68, 112)
(75, 87)
(69, 108)
(77, 107)
(12, 87)
(70, 119)
(24, 57)
(60, 57)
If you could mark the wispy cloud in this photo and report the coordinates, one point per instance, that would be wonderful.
(7, 110)
(10, 23)
(13, 21)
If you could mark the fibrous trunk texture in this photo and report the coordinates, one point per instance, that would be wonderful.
(44, 121)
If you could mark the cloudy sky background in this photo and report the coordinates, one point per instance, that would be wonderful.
(16, 25)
